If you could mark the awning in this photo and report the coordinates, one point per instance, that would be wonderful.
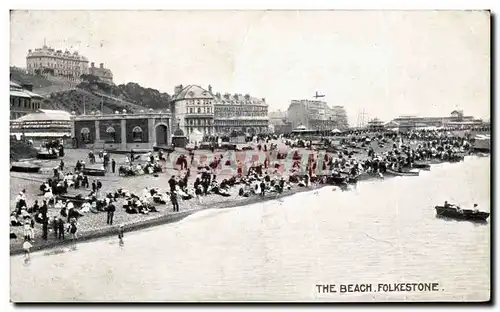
(19, 94)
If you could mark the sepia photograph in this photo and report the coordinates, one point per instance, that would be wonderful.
(322, 156)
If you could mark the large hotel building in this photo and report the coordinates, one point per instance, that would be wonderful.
(194, 108)
(47, 61)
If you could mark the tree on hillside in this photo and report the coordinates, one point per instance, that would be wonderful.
(89, 78)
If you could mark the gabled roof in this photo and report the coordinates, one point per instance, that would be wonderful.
(192, 92)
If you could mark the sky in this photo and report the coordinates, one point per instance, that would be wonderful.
(385, 63)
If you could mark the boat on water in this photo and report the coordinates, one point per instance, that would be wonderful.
(422, 165)
(408, 173)
(45, 155)
(94, 172)
(24, 167)
(482, 154)
(456, 212)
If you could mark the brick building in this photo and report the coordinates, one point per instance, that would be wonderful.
(122, 131)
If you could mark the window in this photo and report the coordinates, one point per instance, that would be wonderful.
(199, 110)
(137, 134)
(110, 135)
(85, 133)
(190, 110)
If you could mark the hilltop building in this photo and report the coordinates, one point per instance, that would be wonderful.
(48, 61)
(104, 74)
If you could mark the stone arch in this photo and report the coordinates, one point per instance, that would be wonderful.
(137, 134)
(85, 135)
(161, 131)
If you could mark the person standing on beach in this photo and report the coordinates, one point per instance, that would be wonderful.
(113, 165)
(111, 212)
(172, 184)
(94, 186)
(55, 226)
(98, 186)
(45, 227)
(173, 199)
(120, 235)
(60, 225)
(73, 229)
(26, 246)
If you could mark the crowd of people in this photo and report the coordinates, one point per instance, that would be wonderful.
(279, 170)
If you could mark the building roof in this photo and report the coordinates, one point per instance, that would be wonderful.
(46, 114)
(33, 94)
(192, 92)
(15, 85)
(19, 93)
(239, 99)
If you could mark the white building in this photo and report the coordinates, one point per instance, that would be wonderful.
(47, 61)
(192, 108)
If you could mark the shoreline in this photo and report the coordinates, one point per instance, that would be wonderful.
(90, 235)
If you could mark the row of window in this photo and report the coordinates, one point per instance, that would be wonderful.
(110, 137)
(19, 102)
(52, 60)
(55, 66)
(199, 110)
(199, 122)
(240, 108)
(240, 122)
(240, 114)
(199, 102)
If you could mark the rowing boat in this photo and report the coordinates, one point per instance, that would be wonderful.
(402, 173)
(462, 214)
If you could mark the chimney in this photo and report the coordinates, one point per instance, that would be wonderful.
(92, 64)
(210, 88)
(101, 65)
(177, 89)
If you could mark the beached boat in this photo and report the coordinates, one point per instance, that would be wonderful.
(24, 167)
(45, 155)
(337, 180)
(482, 154)
(462, 214)
(77, 200)
(456, 158)
(421, 165)
(166, 149)
(94, 172)
(402, 173)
